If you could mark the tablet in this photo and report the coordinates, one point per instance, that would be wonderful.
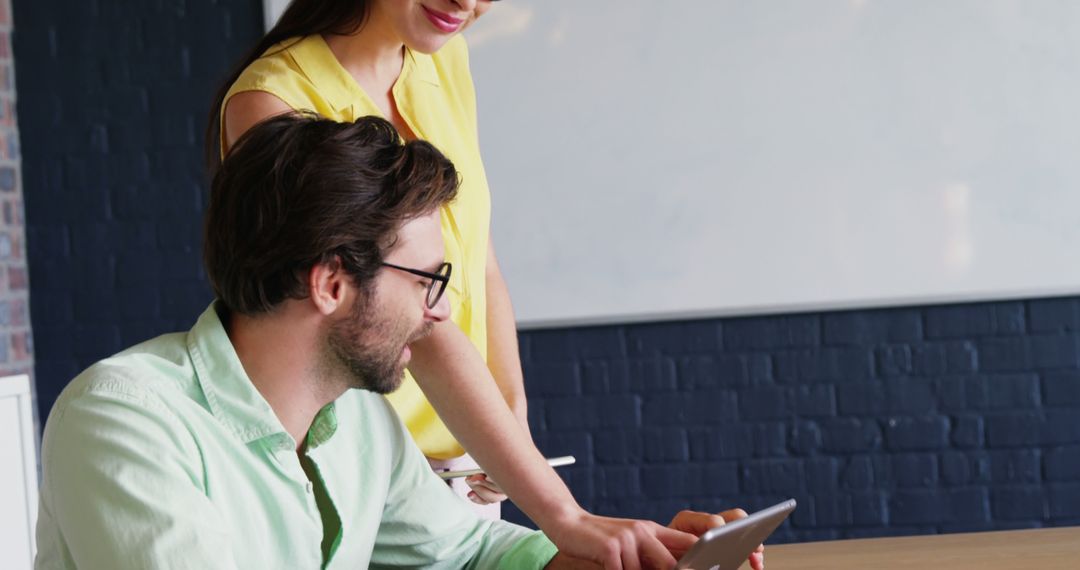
(553, 461)
(727, 547)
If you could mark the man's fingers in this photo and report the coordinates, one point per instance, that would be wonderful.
(757, 561)
(733, 515)
(696, 523)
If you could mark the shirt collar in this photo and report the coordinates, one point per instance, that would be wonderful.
(335, 85)
(232, 398)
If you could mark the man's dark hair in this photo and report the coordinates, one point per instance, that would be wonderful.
(297, 190)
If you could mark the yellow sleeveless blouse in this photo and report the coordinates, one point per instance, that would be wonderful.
(435, 96)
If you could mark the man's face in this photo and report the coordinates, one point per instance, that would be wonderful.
(370, 344)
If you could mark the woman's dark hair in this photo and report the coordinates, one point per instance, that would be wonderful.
(301, 18)
(297, 190)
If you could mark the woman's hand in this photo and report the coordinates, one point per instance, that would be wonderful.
(485, 491)
(632, 544)
(619, 544)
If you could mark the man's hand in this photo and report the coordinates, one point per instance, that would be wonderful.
(698, 523)
(485, 491)
(610, 543)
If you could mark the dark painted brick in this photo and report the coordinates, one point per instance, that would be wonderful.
(833, 511)
(869, 508)
(872, 327)
(646, 375)
(827, 364)
(1064, 500)
(716, 371)
(1054, 315)
(1061, 388)
(620, 482)
(915, 470)
(893, 361)
(858, 473)
(618, 446)
(717, 406)
(1004, 354)
(770, 439)
(1063, 463)
(688, 480)
(633, 375)
(552, 378)
(760, 368)
(597, 342)
(866, 398)
(666, 445)
(737, 441)
(805, 438)
(910, 396)
(822, 474)
(771, 476)
(594, 377)
(1013, 429)
(764, 403)
(727, 442)
(1013, 391)
(959, 393)
(968, 505)
(916, 433)
(1025, 502)
(587, 413)
(849, 435)
(967, 431)
(1016, 466)
(929, 360)
(673, 338)
(961, 357)
(772, 332)
(537, 419)
(917, 507)
(1061, 427)
(963, 468)
(813, 400)
(974, 320)
(1055, 351)
(96, 341)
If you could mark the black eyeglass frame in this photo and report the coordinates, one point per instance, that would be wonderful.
(433, 295)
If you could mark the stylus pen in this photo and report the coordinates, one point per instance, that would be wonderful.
(553, 461)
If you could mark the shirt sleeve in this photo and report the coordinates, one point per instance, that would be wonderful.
(122, 487)
(425, 525)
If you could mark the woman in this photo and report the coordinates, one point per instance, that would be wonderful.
(405, 60)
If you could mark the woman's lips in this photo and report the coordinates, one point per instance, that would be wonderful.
(443, 22)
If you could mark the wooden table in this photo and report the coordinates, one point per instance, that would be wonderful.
(1042, 549)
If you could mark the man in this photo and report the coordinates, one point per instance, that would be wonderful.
(242, 443)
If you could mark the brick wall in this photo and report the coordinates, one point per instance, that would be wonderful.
(16, 345)
(881, 422)
(114, 104)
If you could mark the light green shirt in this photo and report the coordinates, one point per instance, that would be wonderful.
(166, 456)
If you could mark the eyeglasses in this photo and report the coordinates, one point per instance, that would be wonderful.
(439, 279)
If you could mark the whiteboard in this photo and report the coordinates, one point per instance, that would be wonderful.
(716, 157)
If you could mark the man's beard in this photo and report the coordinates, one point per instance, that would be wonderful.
(368, 350)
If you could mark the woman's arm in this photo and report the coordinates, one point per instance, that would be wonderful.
(244, 110)
(459, 386)
(503, 357)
